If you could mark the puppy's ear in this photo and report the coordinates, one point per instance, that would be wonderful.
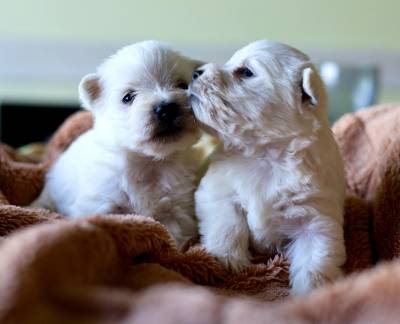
(90, 90)
(311, 85)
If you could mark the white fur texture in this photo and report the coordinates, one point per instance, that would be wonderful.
(278, 182)
(123, 164)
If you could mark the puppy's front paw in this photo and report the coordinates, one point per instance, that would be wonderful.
(235, 262)
(304, 283)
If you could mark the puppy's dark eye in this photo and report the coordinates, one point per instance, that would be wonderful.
(182, 85)
(244, 73)
(128, 98)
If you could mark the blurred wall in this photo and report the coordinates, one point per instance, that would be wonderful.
(366, 24)
(307, 24)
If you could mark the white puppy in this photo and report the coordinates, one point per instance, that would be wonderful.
(278, 182)
(131, 160)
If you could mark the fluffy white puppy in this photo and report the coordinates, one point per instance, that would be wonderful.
(131, 160)
(278, 182)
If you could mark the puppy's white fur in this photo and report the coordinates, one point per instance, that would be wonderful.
(125, 164)
(278, 183)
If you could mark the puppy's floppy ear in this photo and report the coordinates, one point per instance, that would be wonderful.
(89, 90)
(311, 85)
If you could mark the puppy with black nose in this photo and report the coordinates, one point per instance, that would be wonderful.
(278, 181)
(132, 160)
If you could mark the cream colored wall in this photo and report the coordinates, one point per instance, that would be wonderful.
(307, 24)
(365, 24)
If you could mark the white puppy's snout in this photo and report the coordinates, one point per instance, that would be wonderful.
(167, 112)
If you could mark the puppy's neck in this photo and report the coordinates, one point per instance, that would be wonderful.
(137, 157)
(279, 149)
(111, 145)
(277, 145)
(142, 166)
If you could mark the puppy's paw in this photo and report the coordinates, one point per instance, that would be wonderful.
(304, 283)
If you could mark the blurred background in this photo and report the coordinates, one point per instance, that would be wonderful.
(46, 46)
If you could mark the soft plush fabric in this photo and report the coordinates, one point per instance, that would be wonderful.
(370, 146)
(124, 268)
(366, 139)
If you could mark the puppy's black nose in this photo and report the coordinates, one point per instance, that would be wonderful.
(196, 74)
(167, 112)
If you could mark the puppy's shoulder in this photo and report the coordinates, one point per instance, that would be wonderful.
(84, 144)
(85, 156)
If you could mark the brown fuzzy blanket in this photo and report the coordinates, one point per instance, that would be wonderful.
(123, 268)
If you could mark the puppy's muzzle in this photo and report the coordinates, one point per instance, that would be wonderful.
(167, 112)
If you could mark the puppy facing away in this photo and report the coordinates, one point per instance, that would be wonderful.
(131, 161)
(278, 182)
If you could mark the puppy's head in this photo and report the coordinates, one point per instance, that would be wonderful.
(140, 100)
(266, 93)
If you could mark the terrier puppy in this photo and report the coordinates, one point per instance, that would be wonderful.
(132, 160)
(278, 182)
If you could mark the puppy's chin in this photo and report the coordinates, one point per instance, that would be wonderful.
(168, 133)
(165, 142)
(164, 150)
